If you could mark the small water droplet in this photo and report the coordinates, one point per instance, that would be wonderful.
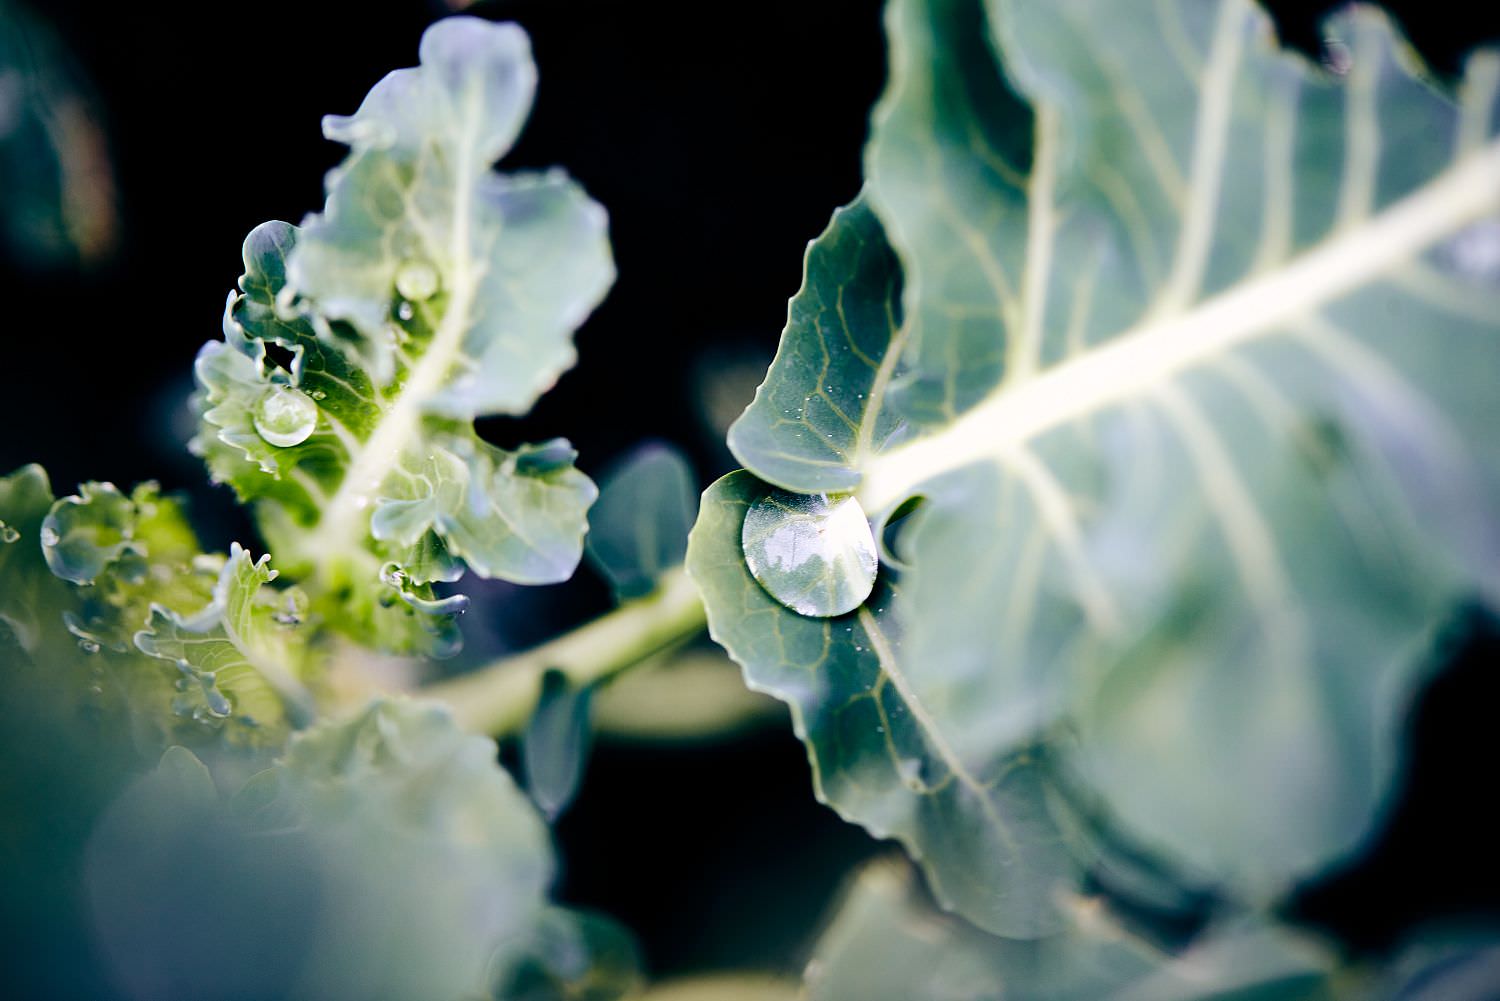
(405, 311)
(285, 416)
(813, 553)
(417, 280)
(87, 645)
(393, 576)
(8, 533)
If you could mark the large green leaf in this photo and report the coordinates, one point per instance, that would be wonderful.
(360, 349)
(1196, 377)
(385, 856)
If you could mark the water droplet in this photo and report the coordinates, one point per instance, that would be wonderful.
(87, 645)
(8, 533)
(393, 576)
(285, 416)
(405, 311)
(417, 280)
(812, 553)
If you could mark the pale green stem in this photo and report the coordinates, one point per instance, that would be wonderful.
(498, 699)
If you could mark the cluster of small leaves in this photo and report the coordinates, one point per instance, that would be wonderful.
(111, 596)
(387, 854)
(360, 349)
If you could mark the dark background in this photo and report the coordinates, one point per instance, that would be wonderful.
(719, 137)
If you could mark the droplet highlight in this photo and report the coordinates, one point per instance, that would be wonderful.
(813, 553)
(285, 416)
(417, 280)
(8, 533)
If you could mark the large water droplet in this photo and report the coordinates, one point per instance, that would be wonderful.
(814, 553)
(417, 280)
(285, 416)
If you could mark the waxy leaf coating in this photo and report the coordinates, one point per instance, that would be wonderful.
(1190, 416)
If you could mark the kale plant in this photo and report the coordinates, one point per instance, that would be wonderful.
(1128, 447)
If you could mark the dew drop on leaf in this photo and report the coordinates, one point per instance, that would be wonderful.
(285, 416)
(813, 553)
(416, 280)
(8, 533)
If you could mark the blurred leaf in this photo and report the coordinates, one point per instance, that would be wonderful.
(360, 349)
(886, 943)
(57, 205)
(638, 529)
(555, 746)
(1195, 458)
(386, 856)
(571, 956)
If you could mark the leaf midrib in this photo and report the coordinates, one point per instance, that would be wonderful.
(346, 517)
(1130, 364)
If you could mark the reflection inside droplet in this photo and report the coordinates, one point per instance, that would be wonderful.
(285, 416)
(813, 553)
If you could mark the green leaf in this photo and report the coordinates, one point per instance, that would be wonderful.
(638, 529)
(573, 955)
(556, 743)
(820, 413)
(239, 655)
(982, 825)
(886, 941)
(233, 655)
(386, 856)
(360, 349)
(1194, 376)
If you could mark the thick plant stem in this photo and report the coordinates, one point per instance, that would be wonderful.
(498, 699)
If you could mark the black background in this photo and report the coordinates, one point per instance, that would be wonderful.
(719, 137)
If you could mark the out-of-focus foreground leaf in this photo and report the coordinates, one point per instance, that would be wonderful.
(385, 856)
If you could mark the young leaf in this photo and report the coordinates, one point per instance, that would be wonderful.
(234, 654)
(145, 573)
(638, 529)
(431, 291)
(1196, 379)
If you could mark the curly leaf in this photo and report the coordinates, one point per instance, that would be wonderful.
(235, 654)
(1192, 378)
(77, 643)
(360, 349)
